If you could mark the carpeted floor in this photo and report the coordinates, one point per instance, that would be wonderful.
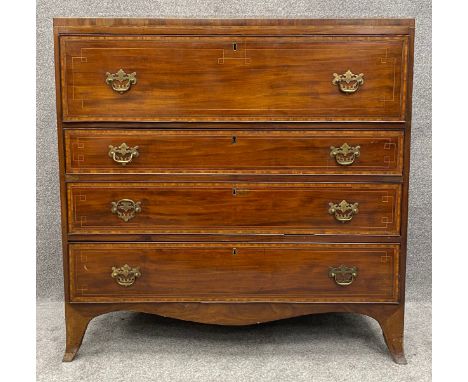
(140, 347)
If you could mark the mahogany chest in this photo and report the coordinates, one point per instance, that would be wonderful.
(234, 171)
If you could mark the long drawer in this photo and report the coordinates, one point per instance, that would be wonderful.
(234, 272)
(226, 78)
(249, 152)
(287, 208)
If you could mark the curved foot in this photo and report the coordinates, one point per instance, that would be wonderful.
(395, 347)
(400, 359)
(390, 317)
(392, 324)
(69, 355)
(76, 323)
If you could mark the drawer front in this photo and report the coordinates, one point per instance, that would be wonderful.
(260, 152)
(186, 78)
(234, 272)
(118, 208)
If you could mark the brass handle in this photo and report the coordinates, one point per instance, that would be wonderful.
(345, 155)
(348, 82)
(343, 275)
(126, 209)
(123, 154)
(125, 275)
(343, 211)
(121, 81)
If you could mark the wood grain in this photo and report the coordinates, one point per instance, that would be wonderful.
(233, 78)
(234, 152)
(239, 208)
(273, 92)
(234, 272)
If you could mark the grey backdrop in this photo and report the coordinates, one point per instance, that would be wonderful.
(49, 256)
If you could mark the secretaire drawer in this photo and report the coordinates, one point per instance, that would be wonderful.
(234, 208)
(224, 272)
(263, 152)
(185, 78)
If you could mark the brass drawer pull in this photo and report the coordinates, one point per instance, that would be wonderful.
(121, 81)
(126, 209)
(125, 275)
(343, 211)
(343, 275)
(123, 154)
(348, 82)
(345, 155)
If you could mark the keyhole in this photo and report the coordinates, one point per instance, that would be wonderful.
(234, 46)
(234, 251)
(234, 139)
(234, 191)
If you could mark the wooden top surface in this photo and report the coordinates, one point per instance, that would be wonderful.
(226, 26)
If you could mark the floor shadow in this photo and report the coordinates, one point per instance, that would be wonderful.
(327, 329)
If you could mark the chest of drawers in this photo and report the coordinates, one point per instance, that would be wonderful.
(234, 172)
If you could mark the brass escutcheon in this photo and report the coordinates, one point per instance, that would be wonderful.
(345, 155)
(125, 275)
(123, 154)
(343, 211)
(343, 275)
(121, 81)
(126, 209)
(348, 82)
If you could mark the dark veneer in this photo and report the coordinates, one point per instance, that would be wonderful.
(234, 120)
